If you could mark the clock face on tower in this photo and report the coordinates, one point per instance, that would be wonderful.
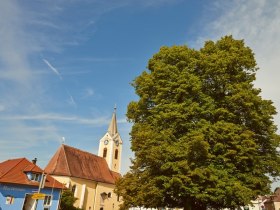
(106, 142)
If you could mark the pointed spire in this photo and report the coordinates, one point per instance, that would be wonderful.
(113, 129)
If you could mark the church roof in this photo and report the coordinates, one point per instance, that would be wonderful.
(113, 129)
(72, 162)
(14, 172)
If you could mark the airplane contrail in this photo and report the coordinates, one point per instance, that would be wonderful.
(52, 68)
(71, 100)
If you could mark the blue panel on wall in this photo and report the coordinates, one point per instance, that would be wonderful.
(12, 196)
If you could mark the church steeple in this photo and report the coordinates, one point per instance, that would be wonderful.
(113, 128)
(110, 145)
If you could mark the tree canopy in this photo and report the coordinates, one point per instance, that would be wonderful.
(202, 134)
(67, 200)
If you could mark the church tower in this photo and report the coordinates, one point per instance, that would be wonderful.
(110, 145)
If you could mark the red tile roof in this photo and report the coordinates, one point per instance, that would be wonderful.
(72, 162)
(115, 175)
(14, 171)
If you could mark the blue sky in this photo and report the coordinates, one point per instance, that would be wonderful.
(64, 64)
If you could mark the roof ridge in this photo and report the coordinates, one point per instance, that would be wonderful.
(31, 164)
(83, 151)
(63, 145)
(20, 159)
(115, 172)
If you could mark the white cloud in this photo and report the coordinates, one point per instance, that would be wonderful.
(21, 89)
(58, 117)
(17, 77)
(257, 22)
(28, 31)
(71, 101)
(13, 52)
(88, 92)
(2, 107)
(26, 136)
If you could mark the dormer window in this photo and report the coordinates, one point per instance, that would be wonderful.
(33, 176)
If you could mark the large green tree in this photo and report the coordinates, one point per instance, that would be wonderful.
(202, 134)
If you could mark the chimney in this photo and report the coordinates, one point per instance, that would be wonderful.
(34, 161)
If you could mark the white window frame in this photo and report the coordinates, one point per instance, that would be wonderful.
(35, 177)
(48, 200)
(10, 200)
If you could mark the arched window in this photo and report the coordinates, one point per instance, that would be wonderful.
(105, 152)
(116, 154)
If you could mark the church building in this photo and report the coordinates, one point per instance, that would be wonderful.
(91, 177)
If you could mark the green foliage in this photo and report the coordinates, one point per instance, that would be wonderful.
(67, 200)
(202, 134)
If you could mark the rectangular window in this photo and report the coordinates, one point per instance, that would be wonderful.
(104, 152)
(9, 200)
(47, 200)
(35, 177)
(116, 154)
